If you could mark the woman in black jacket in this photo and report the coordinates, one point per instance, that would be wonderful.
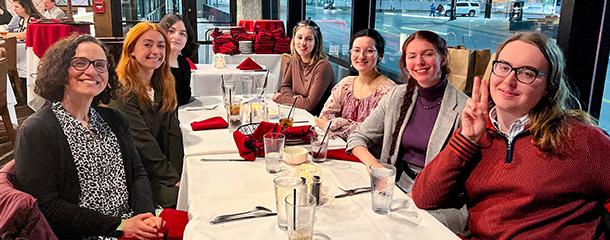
(77, 159)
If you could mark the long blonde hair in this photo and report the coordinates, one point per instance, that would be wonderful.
(317, 52)
(550, 118)
(128, 68)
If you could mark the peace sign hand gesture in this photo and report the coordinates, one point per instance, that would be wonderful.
(474, 115)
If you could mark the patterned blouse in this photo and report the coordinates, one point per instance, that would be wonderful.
(99, 164)
(346, 110)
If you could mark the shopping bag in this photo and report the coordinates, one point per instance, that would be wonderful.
(464, 65)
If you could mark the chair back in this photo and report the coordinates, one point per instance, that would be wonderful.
(20, 217)
(114, 45)
(10, 44)
(6, 118)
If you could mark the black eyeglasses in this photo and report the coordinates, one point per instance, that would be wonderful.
(81, 64)
(525, 74)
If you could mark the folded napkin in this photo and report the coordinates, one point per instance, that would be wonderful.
(175, 223)
(210, 123)
(340, 154)
(191, 64)
(249, 64)
(252, 146)
(302, 133)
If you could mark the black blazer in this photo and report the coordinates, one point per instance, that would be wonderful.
(45, 169)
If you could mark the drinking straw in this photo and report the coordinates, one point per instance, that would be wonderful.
(291, 108)
(294, 209)
(222, 83)
(230, 101)
(264, 84)
(323, 138)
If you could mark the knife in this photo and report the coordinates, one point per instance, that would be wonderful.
(229, 219)
(352, 193)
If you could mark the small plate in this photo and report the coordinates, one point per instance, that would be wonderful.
(295, 141)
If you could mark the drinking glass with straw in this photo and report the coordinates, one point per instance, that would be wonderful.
(300, 211)
(287, 121)
(319, 148)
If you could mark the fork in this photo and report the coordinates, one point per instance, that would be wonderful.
(353, 189)
(202, 108)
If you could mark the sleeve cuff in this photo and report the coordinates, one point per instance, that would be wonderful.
(463, 147)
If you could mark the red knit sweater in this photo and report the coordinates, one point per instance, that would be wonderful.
(534, 196)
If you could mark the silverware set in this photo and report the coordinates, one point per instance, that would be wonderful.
(258, 211)
(354, 191)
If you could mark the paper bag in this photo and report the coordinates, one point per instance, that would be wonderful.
(464, 65)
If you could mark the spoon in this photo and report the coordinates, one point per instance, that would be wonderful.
(256, 209)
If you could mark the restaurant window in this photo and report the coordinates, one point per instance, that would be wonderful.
(476, 25)
(604, 115)
(334, 18)
(211, 14)
(283, 11)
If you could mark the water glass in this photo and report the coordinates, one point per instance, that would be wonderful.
(382, 181)
(285, 185)
(300, 214)
(258, 111)
(228, 92)
(274, 144)
(246, 86)
(319, 148)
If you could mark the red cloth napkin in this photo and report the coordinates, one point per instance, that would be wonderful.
(301, 133)
(191, 64)
(249, 64)
(175, 222)
(250, 147)
(341, 155)
(210, 123)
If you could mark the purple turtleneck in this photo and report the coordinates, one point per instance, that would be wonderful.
(416, 135)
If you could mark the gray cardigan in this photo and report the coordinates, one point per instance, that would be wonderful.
(380, 124)
(379, 127)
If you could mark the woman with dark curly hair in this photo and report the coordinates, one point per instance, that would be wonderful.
(77, 158)
(182, 46)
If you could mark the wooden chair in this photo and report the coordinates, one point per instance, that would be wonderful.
(10, 44)
(6, 119)
(114, 45)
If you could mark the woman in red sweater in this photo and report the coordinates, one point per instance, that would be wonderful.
(531, 167)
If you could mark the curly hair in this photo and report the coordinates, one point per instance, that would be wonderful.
(191, 45)
(53, 74)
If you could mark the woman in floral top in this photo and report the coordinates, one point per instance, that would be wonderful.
(355, 97)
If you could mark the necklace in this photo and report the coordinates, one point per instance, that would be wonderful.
(431, 106)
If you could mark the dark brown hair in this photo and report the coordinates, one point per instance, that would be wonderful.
(53, 76)
(441, 48)
(170, 19)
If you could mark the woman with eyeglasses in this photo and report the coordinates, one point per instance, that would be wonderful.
(413, 121)
(531, 166)
(307, 74)
(354, 97)
(147, 98)
(182, 46)
(77, 158)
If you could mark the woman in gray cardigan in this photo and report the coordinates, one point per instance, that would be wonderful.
(414, 121)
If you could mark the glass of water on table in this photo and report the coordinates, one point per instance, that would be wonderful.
(274, 145)
(382, 181)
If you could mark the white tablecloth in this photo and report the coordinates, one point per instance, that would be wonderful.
(35, 101)
(273, 62)
(219, 143)
(216, 188)
(207, 81)
(11, 101)
(21, 60)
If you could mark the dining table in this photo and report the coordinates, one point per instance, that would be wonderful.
(217, 181)
(207, 80)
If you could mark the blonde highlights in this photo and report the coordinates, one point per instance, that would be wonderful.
(128, 69)
(317, 52)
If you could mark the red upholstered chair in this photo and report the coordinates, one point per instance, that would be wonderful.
(20, 217)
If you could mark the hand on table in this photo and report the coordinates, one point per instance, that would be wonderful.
(321, 122)
(474, 115)
(138, 227)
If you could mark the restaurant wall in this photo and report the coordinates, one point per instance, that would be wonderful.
(249, 9)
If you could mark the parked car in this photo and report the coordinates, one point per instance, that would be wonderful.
(470, 9)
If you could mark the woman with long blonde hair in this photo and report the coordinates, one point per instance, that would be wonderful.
(147, 98)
